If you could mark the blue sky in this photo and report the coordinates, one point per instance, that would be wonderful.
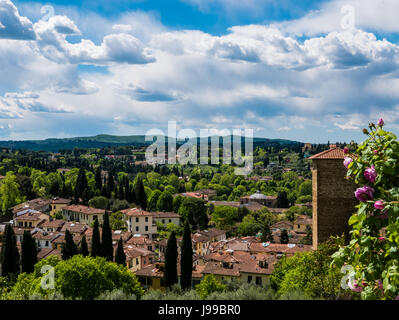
(309, 71)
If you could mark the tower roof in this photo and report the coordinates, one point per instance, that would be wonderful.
(331, 154)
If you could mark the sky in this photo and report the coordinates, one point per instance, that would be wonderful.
(310, 71)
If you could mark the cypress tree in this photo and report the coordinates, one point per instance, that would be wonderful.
(99, 182)
(284, 239)
(69, 248)
(141, 197)
(29, 252)
(266, 233)
(96, 250)
(81, 183)
(120, 257)
(106, 239)
(9, 253)
(84, 251)
(170, 274)
(186, 260)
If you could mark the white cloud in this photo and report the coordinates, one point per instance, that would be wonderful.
(12, 25)
(333, 15)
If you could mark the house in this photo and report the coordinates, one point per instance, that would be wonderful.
(84, 214)
(301, 224)
(29, 218)
(141, 242)
(166, 217)
(38, 204)
(138, 258)
(140, 222)
(52, 225)
(75, 228)
(268, 201)
(277, 249)
(239, 265)
(57, 204)
(46, 252)
(202, 240)
(287, 225)
(44, 239)
(233, 204)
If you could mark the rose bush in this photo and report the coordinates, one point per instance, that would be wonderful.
(373, 251)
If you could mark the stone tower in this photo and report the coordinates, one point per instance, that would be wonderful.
(333, 196)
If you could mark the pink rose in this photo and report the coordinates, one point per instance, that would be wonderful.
(364, 193)
(380, 122)
(347, 162)
(379, 205)
(382, 239)
(370, 174)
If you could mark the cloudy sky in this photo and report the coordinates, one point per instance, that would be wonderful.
(314, 71)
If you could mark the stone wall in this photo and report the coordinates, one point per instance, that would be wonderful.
(333, 199)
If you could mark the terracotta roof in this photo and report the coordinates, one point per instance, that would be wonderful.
(61, 201)
(278, 248)
(46, 252)
(140, 241)
(35, 204)
(253, 206)
(83, 209)
(331, 154)
(135, 212)
(74, 227)
(30, 215)
(234, 204)
(282, 225)
(150, 271)
(303, 220)
(165, 215)
(57, 223)
(134, 252)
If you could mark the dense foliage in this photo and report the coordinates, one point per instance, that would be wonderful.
(373, 253)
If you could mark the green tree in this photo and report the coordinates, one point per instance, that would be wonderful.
(194, 210)
(117, 221)
(9, 253)
(98, 179)
(120, 256)
(208, 286)
(9, 192)
(141, 197)
(69, 248)
(282, 200)
(84, 251)
(224, 216)
(170, 274)
(106, 240)
(186, 263)
(99, 202)
(284, 238)
(81, 185)
(153, 199)
(29, 252)
(165, 202)
(96, 248)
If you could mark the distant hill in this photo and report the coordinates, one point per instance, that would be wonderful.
(104, 140)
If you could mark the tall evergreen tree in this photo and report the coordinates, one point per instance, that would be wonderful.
(106, 240)
(120, 256)
(284, 238)
(186, 262)
(81, 184)
(84, 251)
(110, 184)
(96, 249)
(266, 233)
(170, 274)
(9, 253)
(69, 248)
(99, 182)
(141, 197)
(29, 252)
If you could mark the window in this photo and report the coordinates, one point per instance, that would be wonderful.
(146, 219)
(249, 279)
(259, 281)
(170, 220)
(146, 228)
(144, 262)
(137, 219)
(46, 243)
(137, 261)
(163, 220)
(137, 228)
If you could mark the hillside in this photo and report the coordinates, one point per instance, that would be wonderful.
(104, 140)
